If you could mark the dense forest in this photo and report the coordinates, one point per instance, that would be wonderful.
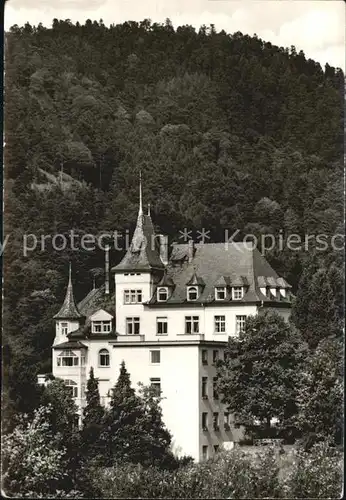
(229, 132)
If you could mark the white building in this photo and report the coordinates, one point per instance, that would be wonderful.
(169, 320)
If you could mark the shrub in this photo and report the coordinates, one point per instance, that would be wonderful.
(315, 474)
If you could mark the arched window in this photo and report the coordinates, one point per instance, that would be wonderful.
(192, 293)
(104, 357)
(162, 294)
(73, 387)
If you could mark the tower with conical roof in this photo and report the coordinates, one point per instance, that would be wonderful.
(137, 273)
(68, 318)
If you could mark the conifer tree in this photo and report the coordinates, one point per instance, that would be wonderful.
(158, 438)
(93, 415)
(124, 434)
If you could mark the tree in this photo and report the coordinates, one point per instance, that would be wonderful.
(93, 416)
(125, 423)
(158, 438)
(259, 376)
(318, 307)
(63, 422)
(320, 394)
(34, 461)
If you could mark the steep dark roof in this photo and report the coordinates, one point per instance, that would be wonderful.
(165, 281)
(236, 264)
(195, 280)
(71, 344)
(96, 300)
(69, 309)
(143, 253)
(93, 302)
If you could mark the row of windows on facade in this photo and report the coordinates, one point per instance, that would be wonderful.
(191, 324)
(192, 294)
(96, 327)
(215, 421)
(70, 358)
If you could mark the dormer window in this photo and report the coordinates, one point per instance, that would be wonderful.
(162, 294)
(101, 326)
(220, 293)
(237, 292)
(192, 293)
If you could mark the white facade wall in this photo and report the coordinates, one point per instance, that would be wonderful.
(180, 369)
(59, 336)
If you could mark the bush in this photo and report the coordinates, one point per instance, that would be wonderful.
(315, 474)
(232, 474)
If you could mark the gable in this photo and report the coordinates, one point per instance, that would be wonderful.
(101, 315)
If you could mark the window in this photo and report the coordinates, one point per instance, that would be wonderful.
(101, 326)
(191, 324)
(132, 296)
(155, 357)
(104, 357)
(132, 326)
(216, 448)
(192, 293)
(216, 424)
(215, 394)
(205, 421)
(161, 326)
(67, 358)
(220, 324)
(240, 323)
(162, 294)
(215, 356)
(220, 293)
(226, 420)
(204, 388)
(204, 357)
(155, 383)
(64, 328)
(237, 292)
(205, 452)
(73, 387)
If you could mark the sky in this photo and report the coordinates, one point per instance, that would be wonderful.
(317, 26)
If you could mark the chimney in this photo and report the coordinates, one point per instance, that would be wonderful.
(107, 270)
(164, 249)
(191, 250)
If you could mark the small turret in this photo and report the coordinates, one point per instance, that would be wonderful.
(68, 318)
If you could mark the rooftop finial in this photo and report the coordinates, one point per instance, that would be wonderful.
(149, 209)
(70, 275)
(140, 211)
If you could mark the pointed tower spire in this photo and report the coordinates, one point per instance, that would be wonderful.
(140, 211)
(69, 309)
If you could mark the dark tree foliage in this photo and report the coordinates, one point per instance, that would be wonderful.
(93, 417)
(230, 132)
(259, 377)
(133, 427)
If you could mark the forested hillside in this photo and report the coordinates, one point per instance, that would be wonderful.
(229, 131)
